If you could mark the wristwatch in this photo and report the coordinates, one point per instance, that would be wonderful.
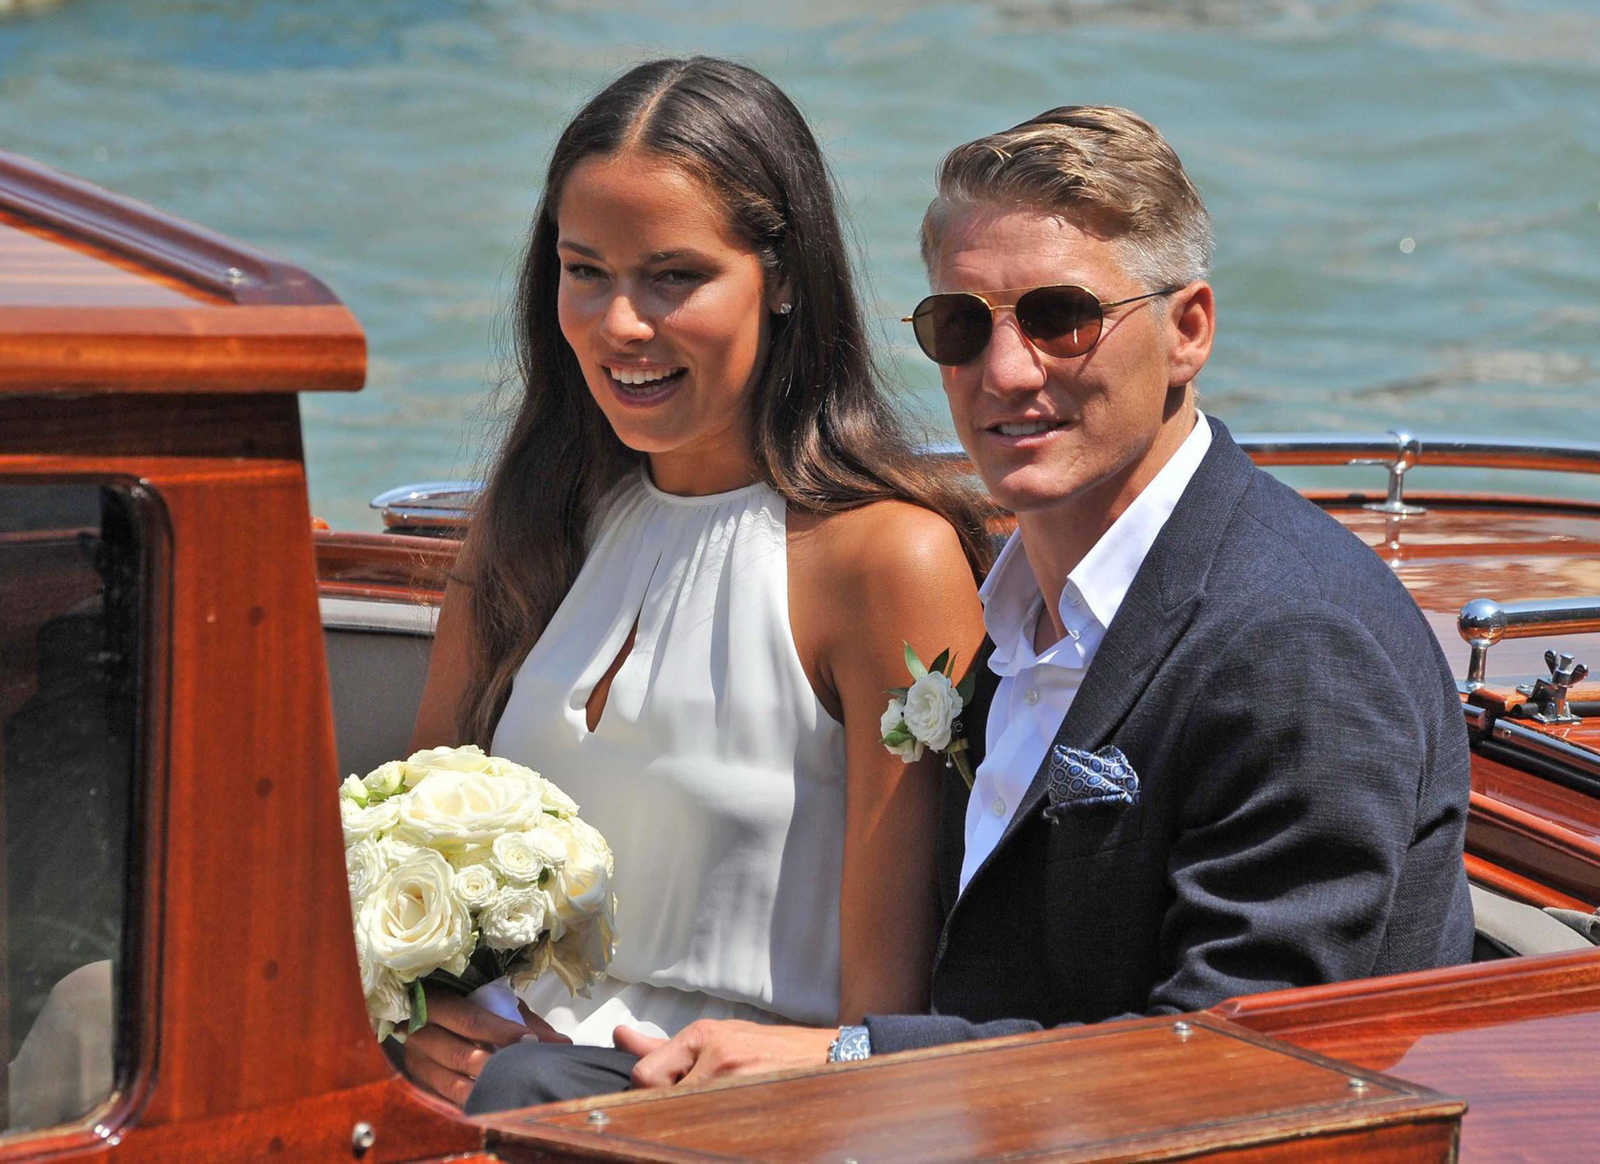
(852, 1043)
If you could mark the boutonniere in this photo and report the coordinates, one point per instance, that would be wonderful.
(927, 713)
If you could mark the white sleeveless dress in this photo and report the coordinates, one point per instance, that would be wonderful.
(714, 772)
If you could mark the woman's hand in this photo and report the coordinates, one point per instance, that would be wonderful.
(447, 1054)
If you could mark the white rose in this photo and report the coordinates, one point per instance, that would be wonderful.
(556, 801)
(475, 885)
(932, 705)
(515, 857)
(385, 780)
(353, 789)
(412, 921)
(467, 758)
(451, 811)
(363, 821)
(582, 888)
(515, 918)
(396, 849)
(549, 844)
(581, 955)
(910, 749)
(389, 1007)
(364, 865)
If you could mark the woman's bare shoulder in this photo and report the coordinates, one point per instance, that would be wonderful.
(881, 541)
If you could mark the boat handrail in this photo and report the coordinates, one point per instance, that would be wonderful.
(439, 506)
(1484, 622)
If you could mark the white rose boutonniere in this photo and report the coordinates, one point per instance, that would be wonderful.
(927, 713)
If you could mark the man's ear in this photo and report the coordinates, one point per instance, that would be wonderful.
(1192, 312)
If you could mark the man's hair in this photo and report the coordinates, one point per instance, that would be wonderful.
(1107, 171)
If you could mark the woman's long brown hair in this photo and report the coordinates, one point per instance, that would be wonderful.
(825, 436)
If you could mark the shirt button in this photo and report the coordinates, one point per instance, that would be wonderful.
(998, 807)
(1030, 696)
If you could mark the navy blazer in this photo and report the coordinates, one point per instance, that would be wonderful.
(1302, 764)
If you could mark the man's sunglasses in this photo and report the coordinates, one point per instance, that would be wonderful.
(1061, 320)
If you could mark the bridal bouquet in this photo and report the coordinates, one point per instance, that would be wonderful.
(464, 868)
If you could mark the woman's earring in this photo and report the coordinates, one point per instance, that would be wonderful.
(785, 308)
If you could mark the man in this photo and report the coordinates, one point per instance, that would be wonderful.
(1217, 749)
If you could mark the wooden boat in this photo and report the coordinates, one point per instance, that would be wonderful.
(186, 669)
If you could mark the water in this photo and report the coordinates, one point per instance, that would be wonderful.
(1406, 193)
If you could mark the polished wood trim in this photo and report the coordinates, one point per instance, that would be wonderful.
(1518, 887)
(1145, 1089)
(173, 349)
(393, 567)
(1317, 1016)
(1565, 807)
(87, 213)
(249, 427)
(1563, 859)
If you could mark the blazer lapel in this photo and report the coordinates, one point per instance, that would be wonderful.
(1158, 608)
(975, 716)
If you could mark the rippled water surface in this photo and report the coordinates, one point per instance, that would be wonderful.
(1406, 194)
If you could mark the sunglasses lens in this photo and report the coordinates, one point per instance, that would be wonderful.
(951, 329)
(1062, 321)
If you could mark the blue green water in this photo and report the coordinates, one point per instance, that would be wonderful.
(395, 149)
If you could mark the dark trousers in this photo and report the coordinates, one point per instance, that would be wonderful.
(524, 1074)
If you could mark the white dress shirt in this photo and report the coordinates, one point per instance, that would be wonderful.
(1037, 687)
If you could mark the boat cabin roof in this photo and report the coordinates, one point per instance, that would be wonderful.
(101, 294)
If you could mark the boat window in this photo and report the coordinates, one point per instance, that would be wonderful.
(72, 593)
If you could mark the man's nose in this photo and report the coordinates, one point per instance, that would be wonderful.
(1010, 362)
(623, 321)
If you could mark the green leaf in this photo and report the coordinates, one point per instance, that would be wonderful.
(419, 1007)
(914, 664)
(897, 692)
(900, 735)
(941, 662)
(966, 687)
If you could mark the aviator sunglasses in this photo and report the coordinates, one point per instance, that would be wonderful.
(1064, 319)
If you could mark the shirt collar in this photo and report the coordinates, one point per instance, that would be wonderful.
(1105, 573)
(1010, 593)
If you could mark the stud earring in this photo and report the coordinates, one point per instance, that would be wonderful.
(785, 308)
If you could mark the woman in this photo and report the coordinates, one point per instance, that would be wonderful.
(693, 573)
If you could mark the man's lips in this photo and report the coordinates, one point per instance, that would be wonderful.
(1023, 429)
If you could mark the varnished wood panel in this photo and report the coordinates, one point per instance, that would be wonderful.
(1137, 1089)
(150, 240)
(151, 426)
(1516, 1038)
(250, 1021)
(170, 349)
(43, 268)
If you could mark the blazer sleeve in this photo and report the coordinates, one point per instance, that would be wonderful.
(1299, 769)
(1303, 761)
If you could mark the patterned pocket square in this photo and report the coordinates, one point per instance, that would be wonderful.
(1078, 778)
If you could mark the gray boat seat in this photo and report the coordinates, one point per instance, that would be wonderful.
(1507, 928)
(377, 662)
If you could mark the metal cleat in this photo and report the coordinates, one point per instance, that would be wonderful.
(1550, 695)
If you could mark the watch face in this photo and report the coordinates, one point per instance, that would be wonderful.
(853, 1043)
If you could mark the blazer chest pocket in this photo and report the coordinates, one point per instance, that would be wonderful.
(1093, 802)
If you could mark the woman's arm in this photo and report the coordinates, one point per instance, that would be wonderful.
(863, 584)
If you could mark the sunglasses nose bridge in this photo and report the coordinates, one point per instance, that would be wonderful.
(1011, 361)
